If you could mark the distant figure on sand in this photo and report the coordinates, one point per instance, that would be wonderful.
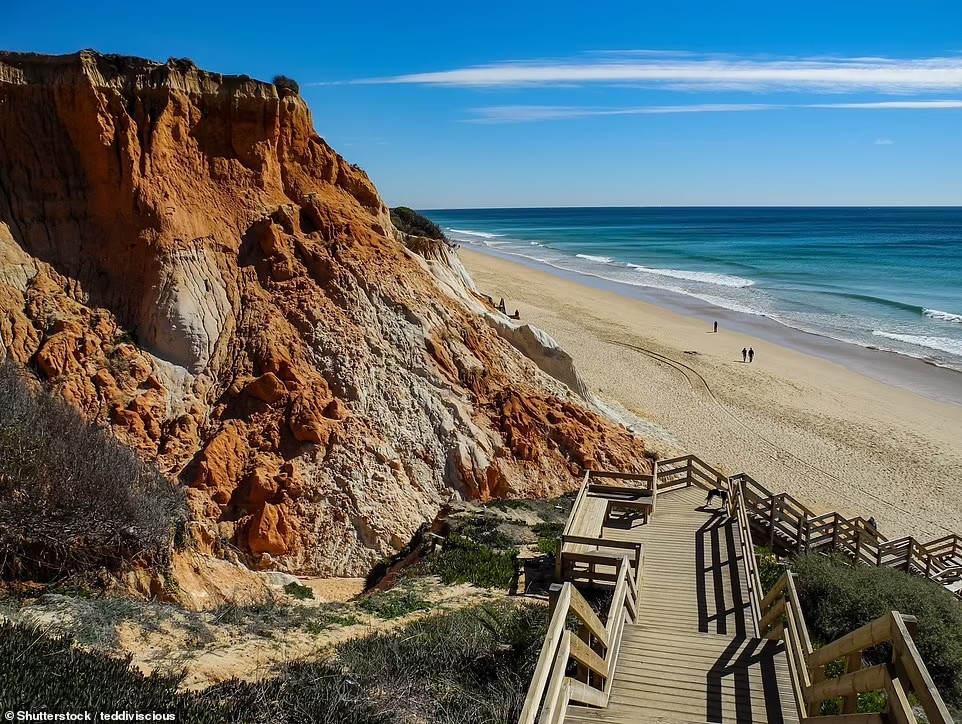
(516, 315)
(719, 493)
(501, 307)
(751, 354)
(744, 354)
(872, 522)
(716, 327)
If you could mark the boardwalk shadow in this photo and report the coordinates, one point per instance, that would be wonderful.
(722, 607)
(735, 667)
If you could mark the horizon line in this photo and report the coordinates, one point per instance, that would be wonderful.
(694, 206)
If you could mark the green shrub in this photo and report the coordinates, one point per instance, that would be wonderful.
(769, 567)
(298, 591)
(286, 86)
(466, 667)
(72, 498)
(838, 598)
(483, 529)
(463, 560)
(394, 604)
(411, 222)
(548, 534)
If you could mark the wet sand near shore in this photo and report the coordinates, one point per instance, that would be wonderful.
(797, 422)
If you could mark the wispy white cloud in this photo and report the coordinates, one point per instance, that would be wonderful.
(679, 70)
(523, 114)
(528, 114)
(906, 105)
(884, 142)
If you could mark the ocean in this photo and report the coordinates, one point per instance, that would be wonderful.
(885, 278)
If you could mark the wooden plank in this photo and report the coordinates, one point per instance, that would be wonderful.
(899, 709)
(587, 657)
(876, 632)
(583, 611)
(910, 659)
(585, 694)
(552, 640)
(552, 699)
(857, 682)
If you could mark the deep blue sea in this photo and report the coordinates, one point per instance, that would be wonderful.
(889, 278)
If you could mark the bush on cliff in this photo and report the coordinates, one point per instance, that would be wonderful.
(409, 221)
(287, 86)
(838, 597)
(72, 498)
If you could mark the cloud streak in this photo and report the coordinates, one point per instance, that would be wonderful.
(683, 71)
(529, 114)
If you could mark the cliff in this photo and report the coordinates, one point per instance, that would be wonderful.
(184, 258)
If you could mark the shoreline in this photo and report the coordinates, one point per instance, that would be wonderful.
(913, 374)
(799, 422)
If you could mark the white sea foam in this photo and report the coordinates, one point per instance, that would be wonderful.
(942, 316)
(592, 257)
(724, 280)
(481, 234)
(941, 344)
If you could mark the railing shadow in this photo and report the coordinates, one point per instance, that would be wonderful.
(717, 563)
(736, 664)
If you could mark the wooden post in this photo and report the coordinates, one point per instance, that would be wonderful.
(835, 532)
(559, 553)
(815, 705)
(852, 663)
(808, 530)
(654, 485)
(908, 554)
(772, 513)
(554, 590)
(858, 541)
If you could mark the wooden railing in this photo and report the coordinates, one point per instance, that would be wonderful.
(593, 648)
(787, 526)
(736, 508)
(782, 618)
(686, 471)
(595, 568)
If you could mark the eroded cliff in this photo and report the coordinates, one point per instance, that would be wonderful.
(186, 259)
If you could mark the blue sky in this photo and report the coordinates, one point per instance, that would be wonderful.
(574, 103)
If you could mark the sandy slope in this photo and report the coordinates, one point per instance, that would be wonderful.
(835, 439)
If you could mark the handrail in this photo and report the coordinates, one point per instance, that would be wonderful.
(783, 618)
(793, 527)
(594, 648)
(736, 508)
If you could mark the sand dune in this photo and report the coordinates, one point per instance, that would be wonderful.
(800, 424)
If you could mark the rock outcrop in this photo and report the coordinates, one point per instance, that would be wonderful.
(186, 259)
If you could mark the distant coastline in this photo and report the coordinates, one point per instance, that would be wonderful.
(922, 377)
(863, 289)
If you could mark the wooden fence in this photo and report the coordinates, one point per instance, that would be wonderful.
(593, 648)
(782, 618)
(787, 526)
(584, 555)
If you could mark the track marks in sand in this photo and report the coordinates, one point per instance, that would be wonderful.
(700, 387)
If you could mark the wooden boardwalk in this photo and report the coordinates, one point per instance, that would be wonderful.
(692, 656)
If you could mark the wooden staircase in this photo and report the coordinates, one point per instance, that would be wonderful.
(688, 636)
(692, 655)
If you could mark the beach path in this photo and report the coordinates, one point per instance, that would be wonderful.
(691, 655)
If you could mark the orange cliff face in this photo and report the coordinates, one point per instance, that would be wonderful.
(182, 256)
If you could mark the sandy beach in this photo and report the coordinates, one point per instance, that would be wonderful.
(798, 423)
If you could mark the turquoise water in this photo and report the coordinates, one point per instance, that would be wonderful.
(887, 278)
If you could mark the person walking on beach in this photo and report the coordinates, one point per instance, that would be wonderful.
(716, 328)
(751, 354)
(744, 354)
